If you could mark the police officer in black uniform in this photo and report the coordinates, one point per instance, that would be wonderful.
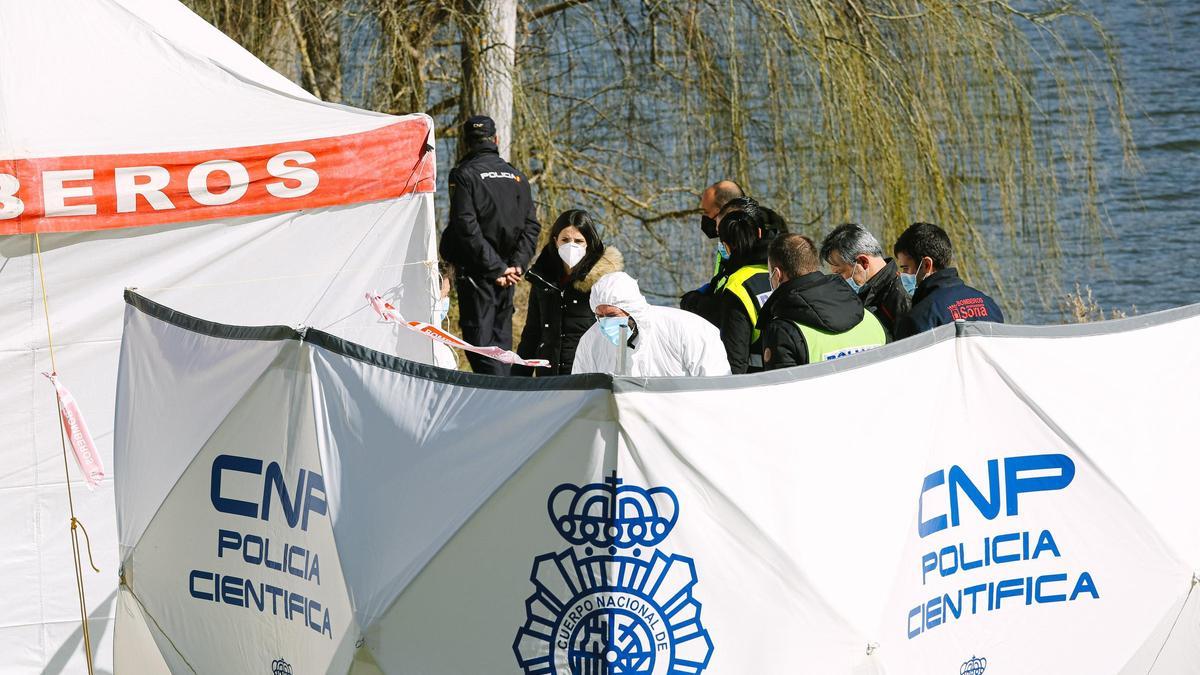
(491, 237)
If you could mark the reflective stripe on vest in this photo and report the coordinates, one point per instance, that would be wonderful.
(752, 298)
(822, 346)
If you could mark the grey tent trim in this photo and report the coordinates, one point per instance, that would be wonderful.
(352, 350)
(358, 352)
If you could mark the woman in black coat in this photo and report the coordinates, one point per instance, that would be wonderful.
(562, 277)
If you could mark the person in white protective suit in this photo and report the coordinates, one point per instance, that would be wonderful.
(660, 341)
(443, 355)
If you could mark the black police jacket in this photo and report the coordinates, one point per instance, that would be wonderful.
(884, 296)
(943, 298)
(493, 221)
(559, 309)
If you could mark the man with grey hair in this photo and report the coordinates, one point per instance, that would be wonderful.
(855, 254)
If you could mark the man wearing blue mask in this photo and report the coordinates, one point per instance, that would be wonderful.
(855, 254)
(924, 251)
(631, 337)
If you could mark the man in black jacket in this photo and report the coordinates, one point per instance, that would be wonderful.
(924, 250)
(713, 200)
(855, 254)
(491, 237)
(811, 317)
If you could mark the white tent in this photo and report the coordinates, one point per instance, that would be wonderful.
(1005, 499)
(147, 149)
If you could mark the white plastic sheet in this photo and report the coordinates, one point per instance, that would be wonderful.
(947, 504)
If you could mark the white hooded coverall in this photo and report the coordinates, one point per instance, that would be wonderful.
(670, 342)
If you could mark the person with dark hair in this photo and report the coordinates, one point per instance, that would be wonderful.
(924, 253)
(491, 236)
(855, 254)
(741, 298)
(561, 281)
(704, 301)
(811, 317)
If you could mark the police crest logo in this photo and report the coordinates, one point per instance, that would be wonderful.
(973, 666)
(613, 602)
(281, 667)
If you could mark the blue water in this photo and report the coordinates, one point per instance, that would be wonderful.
(1151, 252)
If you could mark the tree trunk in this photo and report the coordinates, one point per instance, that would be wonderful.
(489, 31)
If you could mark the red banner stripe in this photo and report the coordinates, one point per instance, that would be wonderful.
(100, 192)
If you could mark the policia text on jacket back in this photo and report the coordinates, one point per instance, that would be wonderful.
(491, 237)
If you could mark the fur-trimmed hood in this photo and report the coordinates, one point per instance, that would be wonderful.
(610, 261)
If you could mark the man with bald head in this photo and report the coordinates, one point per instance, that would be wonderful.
(712, 200)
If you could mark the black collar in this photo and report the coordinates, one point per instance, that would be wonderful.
(943, 278)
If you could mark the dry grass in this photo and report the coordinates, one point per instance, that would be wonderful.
(1081, 307)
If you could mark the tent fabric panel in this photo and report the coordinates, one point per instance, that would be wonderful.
(241, 553)
(294, 268)
(1133, 414)
(1173, 648)
(134, 647)
(183, 27)
(802, 470)
(448, 449)
(123, 86)
(188, 383)
(55, 646)
(447, 619)
(19, 584)
(1087, 560)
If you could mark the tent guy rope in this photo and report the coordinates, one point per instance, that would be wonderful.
(75, 522)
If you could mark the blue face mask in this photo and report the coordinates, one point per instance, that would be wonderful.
(854, 285)
(723, 251)
(910, 282)
(441, 310)
(611, 327)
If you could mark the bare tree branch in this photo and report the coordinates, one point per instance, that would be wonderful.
(553, 8)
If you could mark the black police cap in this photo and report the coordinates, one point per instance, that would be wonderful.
(479, 126)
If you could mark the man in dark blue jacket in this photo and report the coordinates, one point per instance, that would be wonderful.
(490, 238)
(924, 252)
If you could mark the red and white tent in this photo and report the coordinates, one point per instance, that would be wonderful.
(141, 147)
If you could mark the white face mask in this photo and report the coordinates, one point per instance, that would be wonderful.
(571, 253)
